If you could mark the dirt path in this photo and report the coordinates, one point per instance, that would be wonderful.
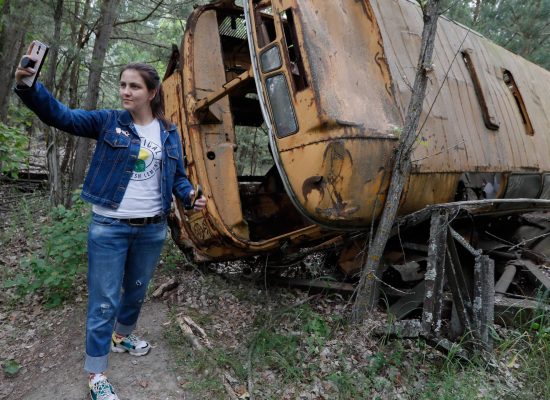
(56, 372)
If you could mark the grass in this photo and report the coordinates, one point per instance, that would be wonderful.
(19, 234)
(198, 368)
(289, 344)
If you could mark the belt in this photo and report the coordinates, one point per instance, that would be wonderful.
(143, 221)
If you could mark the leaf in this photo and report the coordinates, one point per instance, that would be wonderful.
(11, 367)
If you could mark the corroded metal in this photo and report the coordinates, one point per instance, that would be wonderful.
(331, 81)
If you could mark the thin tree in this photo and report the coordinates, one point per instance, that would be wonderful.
(52, 154)
(80, 36)
(108, 15)
(368, 288)
(13, 25)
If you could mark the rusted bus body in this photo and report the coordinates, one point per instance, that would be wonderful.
(208, 94)
(332, 81)
(485, 109)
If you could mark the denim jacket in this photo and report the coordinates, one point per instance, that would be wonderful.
(116, 151)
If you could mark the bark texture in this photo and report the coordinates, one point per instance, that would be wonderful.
(52, 154)
(368, 288)
(105, 28)
(13, 26)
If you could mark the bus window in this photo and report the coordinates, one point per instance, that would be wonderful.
(294, 55)
(281, 105)
(487, 107)
(265, 27)
(270, 59)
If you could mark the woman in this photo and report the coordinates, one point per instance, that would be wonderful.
(136, 167)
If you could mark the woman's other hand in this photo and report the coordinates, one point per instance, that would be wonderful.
(200, 203)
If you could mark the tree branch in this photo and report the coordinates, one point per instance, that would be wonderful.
(131, 21)
(140, 41)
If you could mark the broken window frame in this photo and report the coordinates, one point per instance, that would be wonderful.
(487, 109)
(510, 82)
(260, 45)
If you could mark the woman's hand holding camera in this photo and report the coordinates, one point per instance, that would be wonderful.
(29, 67)
(25, 68)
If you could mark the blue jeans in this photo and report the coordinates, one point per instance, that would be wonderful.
(121, 262)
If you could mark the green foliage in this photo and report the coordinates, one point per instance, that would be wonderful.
(253, 156)
(172, 257)
(13, 149)
(279, 351)
(200, 365)
(530, 350)
(11, 367)
(518, 25)
(286, 351)
(55, 272)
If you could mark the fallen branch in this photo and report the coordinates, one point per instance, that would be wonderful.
(188, 333)
(191, 330)
(229, 389)
(195, 328)
(165, 287)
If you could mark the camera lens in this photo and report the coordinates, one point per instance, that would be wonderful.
(26, 62)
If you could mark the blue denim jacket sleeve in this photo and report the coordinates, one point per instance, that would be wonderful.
(182, 187)
(54, 113)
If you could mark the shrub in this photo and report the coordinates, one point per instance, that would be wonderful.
(56, 271)
(13, 149)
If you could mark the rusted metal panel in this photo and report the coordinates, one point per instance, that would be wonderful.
(509, 147)
(345, 70)
(336, 132)
(217, 138)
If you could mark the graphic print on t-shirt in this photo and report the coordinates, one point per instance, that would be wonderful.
(148, 162)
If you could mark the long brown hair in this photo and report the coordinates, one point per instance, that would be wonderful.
(152, 81)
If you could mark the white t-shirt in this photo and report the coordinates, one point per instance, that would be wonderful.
(142, 197)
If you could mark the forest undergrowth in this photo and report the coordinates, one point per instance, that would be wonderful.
(260, 341)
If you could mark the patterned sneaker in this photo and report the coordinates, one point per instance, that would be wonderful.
(101, 389)
(131, 343)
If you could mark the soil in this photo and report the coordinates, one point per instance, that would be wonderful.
(54, 357)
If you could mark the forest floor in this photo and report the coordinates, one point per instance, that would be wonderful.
(221, 334)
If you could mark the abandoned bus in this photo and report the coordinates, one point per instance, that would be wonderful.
(328, 83)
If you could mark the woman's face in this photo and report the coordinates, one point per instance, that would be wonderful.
(134, 94)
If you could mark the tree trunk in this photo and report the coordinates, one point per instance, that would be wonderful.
(477, 12)
(52, 154)
(72, 71)
(368, 287)
(106, 23)
(14, 22)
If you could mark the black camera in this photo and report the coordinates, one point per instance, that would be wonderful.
(27, 62)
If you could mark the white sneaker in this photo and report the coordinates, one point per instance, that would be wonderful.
(101, 389)
(131, 343)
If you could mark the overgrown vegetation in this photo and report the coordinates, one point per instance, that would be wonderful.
(286, 343)
(60, 264)
(13, 149)
(307, 349)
